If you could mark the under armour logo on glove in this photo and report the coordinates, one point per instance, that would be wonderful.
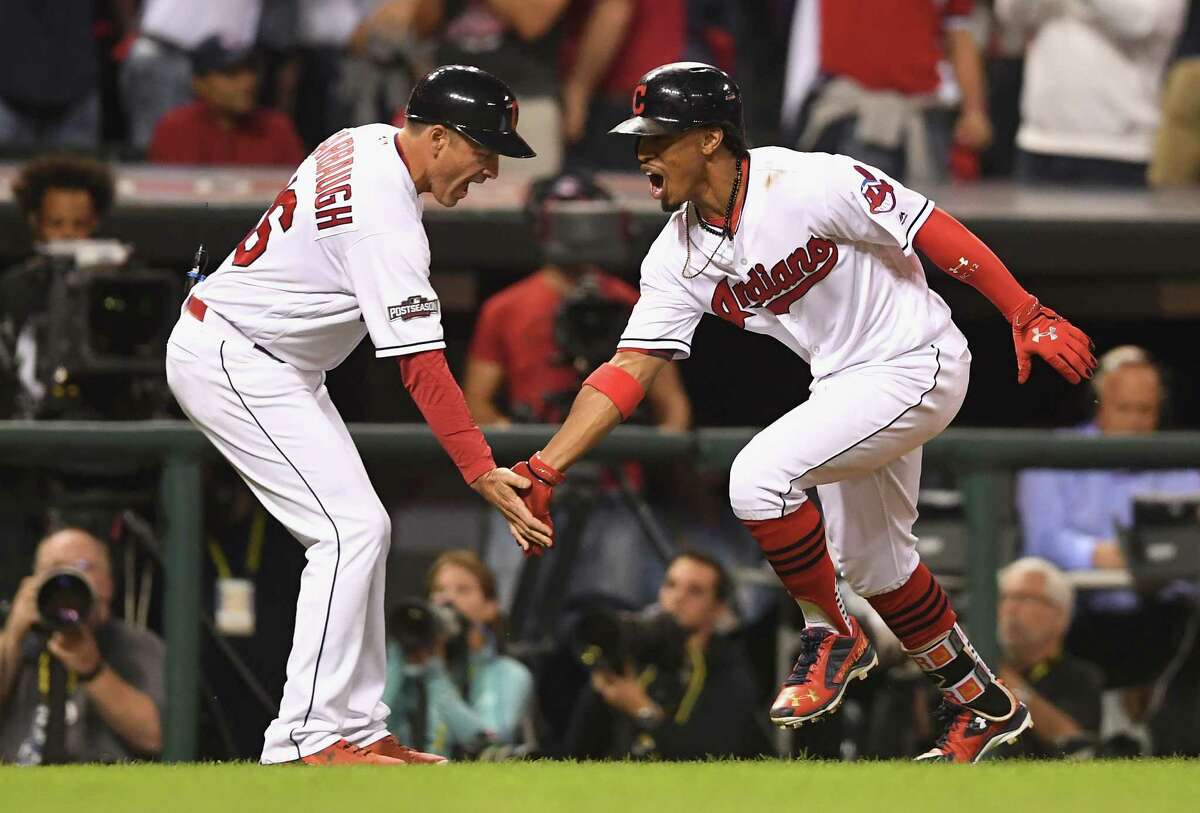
(1068, 351)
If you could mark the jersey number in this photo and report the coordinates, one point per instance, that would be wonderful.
(246, 253)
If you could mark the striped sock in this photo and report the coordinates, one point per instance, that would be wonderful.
(961, 674)
(920, 615)
(795, 546)
(918, 611)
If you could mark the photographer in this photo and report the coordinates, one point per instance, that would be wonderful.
(525, 367)
(673, 697)
(516, 355)
(450, 689)
(76, 684)
(60, 197)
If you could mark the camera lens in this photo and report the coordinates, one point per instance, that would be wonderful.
(64, 599)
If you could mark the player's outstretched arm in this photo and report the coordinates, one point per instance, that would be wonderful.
(608, 396)
(437, 395)
(1037, 330)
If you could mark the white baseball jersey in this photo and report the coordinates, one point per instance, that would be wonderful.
(821, 259)
(341, 253)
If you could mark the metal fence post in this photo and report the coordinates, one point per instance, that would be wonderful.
(980, 492)
(182, 497)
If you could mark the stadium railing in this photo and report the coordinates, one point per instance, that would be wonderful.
(979, 458)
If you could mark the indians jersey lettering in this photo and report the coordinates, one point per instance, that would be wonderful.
(340, 253)
(822, 260)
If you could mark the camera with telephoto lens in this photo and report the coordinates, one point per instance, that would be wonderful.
(613, 640)
(588, 326)
(418, 626)
(64, 599)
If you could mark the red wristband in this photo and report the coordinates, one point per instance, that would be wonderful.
(618, 386)
(544, 471)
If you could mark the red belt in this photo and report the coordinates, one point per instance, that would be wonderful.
(198, 308)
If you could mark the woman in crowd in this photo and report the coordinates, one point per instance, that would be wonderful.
(450, 689)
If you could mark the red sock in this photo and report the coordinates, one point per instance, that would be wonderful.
(918, 611)
(795, 546)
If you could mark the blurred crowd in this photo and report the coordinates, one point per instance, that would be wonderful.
(1060, 91)
(651, 632)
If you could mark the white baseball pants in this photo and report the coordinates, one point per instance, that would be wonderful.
(278, 428)
(858, 439)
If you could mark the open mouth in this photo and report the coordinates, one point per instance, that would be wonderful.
(657, 182)
(466, 187)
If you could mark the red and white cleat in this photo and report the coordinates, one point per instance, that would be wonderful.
(827, 664)
(343, 753)
(391, 748)
(968, 735)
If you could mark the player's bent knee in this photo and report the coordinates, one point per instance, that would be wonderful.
(372, 529)
(381, 528)
(748, 496)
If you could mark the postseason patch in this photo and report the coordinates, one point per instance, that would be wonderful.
(415, 307)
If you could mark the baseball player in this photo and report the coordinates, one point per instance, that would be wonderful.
(340, 254)
(817, 251)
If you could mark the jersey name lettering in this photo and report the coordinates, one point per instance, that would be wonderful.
(778, 289)
(335, 160)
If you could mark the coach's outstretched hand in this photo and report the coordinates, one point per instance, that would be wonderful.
(500, 487)
(1037, 330)
(542, 478)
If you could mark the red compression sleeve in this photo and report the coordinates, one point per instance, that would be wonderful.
(618, 386)
(962, 255)
(438, 396)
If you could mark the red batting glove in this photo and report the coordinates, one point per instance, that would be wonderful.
(1037, 330)
(537, 497)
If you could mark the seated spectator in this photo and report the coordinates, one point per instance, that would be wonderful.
(225, 125)
(115, 693)
(49, 88)
(691, 704)
(1176, 159)
(60, 197)
(518, 371)
(1091, 101)
(877, 91)
(156, 76)
(1062, 692)
(1072, 518)
(453, 692)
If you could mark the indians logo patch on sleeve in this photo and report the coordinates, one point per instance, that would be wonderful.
(880, 195)
(415, 307)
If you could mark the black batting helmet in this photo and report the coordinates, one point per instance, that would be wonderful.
(472, 102)
(682, 95)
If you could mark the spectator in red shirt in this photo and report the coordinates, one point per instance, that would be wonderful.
(225, 125)
(878, 94)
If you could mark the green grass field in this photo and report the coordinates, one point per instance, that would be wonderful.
(745, 787)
